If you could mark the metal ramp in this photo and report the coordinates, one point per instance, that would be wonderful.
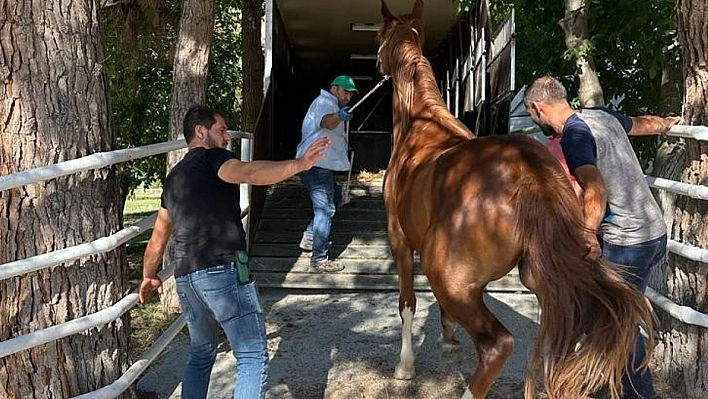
(359, 241)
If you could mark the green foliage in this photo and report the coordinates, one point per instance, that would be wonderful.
(140, 45)
(635, 39)
(630, 42)
(225, 66)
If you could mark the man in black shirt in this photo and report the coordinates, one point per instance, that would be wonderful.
(200, 210)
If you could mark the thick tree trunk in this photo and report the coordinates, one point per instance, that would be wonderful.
(575, 27)
(252, 63)
(190, 69)
(682, 354)
(54, 107)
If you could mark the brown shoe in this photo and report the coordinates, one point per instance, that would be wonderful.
(326, 266)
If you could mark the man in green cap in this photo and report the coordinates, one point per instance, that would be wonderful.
(325, 118)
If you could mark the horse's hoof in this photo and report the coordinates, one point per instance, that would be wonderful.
(450, 341)
(403, 373)
(450, 347)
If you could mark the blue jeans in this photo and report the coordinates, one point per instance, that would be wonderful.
(325, 194)
(636, 262)
(211, 298)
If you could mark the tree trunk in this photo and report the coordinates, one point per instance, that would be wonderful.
(55, 107)
(681, 355)
(252, 63)
(190, 70)
(671, 88)
(575, 27)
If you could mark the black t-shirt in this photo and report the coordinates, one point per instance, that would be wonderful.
(205, 212)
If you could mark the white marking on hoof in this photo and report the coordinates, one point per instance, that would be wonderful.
(403, 374)
(467, 394)
(405, 370)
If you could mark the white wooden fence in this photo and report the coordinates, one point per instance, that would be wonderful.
(101, 245)
(99, 160)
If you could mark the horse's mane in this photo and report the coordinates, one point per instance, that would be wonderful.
(400, 43)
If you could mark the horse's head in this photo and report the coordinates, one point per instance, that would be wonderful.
(398, 30)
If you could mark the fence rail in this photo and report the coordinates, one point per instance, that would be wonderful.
(101, 245)
(686, 314)
(126, 380)
(96, 161)
(84, 323)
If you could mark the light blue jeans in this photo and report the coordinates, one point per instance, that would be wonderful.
(211, 298)
(637, 262)
(325, 195)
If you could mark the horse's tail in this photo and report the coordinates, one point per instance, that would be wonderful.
(589, 314)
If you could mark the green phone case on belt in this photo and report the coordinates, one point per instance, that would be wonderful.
(244, 274)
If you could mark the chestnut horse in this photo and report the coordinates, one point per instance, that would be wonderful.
(473, 208)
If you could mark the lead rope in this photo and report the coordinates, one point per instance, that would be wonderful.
(345, 194)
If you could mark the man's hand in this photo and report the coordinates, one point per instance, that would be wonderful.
(669, 122)
(147, 286)
(593, 246)
(315, 152)
(344, 114)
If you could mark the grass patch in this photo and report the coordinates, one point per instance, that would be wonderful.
(148, 323)
(141, 203)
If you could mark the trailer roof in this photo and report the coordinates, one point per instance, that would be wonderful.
(321, 35)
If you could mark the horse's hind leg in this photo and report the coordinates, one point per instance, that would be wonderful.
(449, 325)
(492, 340)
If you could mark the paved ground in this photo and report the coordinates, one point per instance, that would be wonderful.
(345, 346)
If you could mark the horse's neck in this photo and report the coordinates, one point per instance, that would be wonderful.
(417, 98)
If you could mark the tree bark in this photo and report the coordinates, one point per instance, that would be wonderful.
(252, 63)
(681, 354)
(671, 88)
(55, 107)
(575, 27)
(190, 70)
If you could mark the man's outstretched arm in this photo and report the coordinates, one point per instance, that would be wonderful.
(270, 172)
(652, 125)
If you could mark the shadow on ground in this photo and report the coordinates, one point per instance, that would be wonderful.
(346, 345)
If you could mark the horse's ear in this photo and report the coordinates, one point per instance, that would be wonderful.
(417, 12)
(385, 13)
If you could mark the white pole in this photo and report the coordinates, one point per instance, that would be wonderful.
(381, 82)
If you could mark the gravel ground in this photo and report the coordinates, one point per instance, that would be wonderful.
(346, 345)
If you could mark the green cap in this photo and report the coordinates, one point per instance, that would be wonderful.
(345, 82)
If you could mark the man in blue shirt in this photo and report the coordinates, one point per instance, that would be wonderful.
(623, 222)
(325, 118)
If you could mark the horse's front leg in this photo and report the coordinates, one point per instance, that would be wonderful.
(403, 256)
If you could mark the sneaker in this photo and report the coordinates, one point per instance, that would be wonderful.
(306, 244)
(326, 266)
